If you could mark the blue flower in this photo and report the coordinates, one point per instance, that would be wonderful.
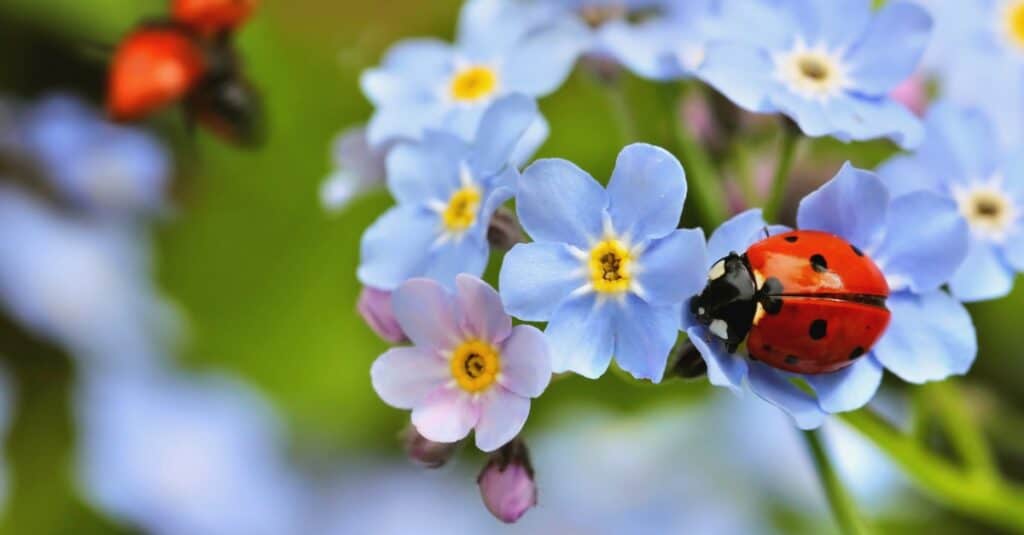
(177, 456)
(608, 269)
(960, 159)
(359, 168)
(447, 191)
(426, 84)
(829, 65)
(930, 335)
(93, 164)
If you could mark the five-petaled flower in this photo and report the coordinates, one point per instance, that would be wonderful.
(608, 270)
(469, 368)
(930, 336)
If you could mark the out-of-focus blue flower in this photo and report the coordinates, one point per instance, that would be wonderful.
(960, 159)
(469, 368)
(829, 65)
(930, 336)
(426, 84)
(447, 191)
(359, 168)
(82, 282)
(177, 456)
(608, 269)
(93, 164)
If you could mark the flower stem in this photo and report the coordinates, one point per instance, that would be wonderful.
(843, 506)
(947, 401)
(783, 166)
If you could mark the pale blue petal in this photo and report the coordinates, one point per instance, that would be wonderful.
(673, 268)
(724, 369)
(397, 246)
(736, 235)
(559, 202)
(501, 130)
(905, 174)
(809, 114)
(774, 387)
(1013, 248)
(849, 388)
(479, 19)
(852, 205)
(531, 142)
(581, 337)
(647, 49)
(405, 120)
(836, 23)
(960, 144)
(644, 336)
(919, 256)
(536, 277)
(860, 118)
(542, 60)
(929, 338)
(983, 275)
(462, 121)
(891, 49)
(740, 72)
(427, 314)
(416, 63)
(646, 192)
(418, 173)
(466, 255)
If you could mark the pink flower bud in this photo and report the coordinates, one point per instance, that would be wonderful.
(375, 308)
(912, 93)
(426, 452)
(506, 482)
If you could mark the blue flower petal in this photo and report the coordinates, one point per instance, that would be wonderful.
(891, 48)
(560, 202)
(742, 73)
(405, 120)
(581, 337)
(849, 388)
(532, 139)
(774, 387)
(859, 118)
(905, 174)
(644, 336)
(809, 114)
(468, 254)
(501, 130)
(478, 20)
(536, 277)
(960, 144)
(724, 369)
(419, 173)
(852, 205)
(983, 275)
(929, 338)
(922, 257)
(736, 234)
(397, 246)
(835, 23)
(542, 60)
(673, 268)
(1013, 248)
(646, 192)
(406, 68)
(646, 50)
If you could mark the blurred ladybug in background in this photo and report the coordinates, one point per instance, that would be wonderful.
(804, 301)
(189, 59)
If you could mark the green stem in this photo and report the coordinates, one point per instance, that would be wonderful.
(842, 504)
(947, 401)
(783, 166)
(700, 172)
(621, 112)
(995, 501)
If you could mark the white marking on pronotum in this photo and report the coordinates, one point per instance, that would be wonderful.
(720, 329)
(717, 270)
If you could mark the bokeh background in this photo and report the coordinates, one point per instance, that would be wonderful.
(263, 279)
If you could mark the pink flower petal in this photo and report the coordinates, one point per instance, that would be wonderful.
(481, 314)
(426, 313)
(404, 376)
(502, 416)
(446, 415)
(526, 362)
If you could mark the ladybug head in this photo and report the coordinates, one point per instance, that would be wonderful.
(728, 302)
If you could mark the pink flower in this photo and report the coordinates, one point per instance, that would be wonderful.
(468, 369)
(375, 307)
(506, 483)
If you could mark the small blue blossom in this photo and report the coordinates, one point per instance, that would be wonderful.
(829, 65)
(446, 191)
(930, 335)
(960, 159)
(176, 456)
(359, 169)
(426, 84)
(608, 269)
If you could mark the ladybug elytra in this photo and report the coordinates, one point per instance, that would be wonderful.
(803, 301)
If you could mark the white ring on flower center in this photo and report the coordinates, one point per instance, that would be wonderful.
(988, 209)
(626, 266)
(470, 195)
(811, 72)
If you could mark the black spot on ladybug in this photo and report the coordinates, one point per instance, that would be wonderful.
(819, 328)
(772, 306)
(856, 251)
(791, 239)
(819, 264)
(792, 359)
(753, 357)
(857, 353)
(772, 286)
(767, 348)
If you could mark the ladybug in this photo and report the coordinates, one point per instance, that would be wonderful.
(803, 301)
(212, 16)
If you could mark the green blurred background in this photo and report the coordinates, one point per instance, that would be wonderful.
(265, 277)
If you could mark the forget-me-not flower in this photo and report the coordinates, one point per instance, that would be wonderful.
(447, 191)
(930, 335)
(469, 368)
(961, 159)
(827, 64)
(608, 269)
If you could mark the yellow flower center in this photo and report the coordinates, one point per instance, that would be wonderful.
(1013, 20)
(988, 211)
(460, 214)
(474, 83)
(609, 266)
(811, 72)
(475, 365)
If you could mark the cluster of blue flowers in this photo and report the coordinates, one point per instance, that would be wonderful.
(608, 270)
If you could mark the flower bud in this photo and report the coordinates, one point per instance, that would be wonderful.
(506, 482)
(375, 307)
(504, 232)
(912, 93)
(426, 452)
